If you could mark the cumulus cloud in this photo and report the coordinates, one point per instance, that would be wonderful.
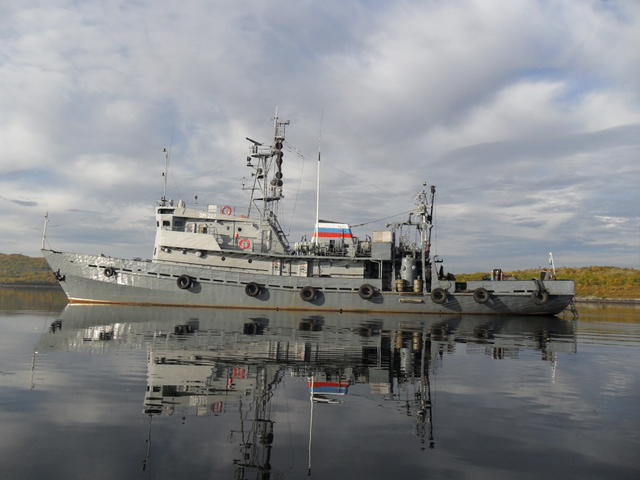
(525, 114)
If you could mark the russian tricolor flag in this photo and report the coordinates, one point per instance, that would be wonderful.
(329, 388)
(332, 230)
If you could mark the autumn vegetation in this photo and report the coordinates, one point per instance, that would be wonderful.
(18, 269)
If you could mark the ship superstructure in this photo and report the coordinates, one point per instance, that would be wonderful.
(221, 257)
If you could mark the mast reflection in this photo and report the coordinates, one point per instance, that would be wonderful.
(215, 362)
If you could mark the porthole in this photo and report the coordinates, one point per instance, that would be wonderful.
(250, 261)
(222, 258)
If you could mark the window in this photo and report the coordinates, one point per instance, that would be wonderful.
(178, 225)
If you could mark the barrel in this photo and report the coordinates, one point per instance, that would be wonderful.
(417, 285)
(400, 285)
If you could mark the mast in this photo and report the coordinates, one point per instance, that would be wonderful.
(267, 185)
(44, 229)
(318, 181)
(257, 443)
(425, 410)
(165, 175)
(317, 200)
(266, 190)
(310, 426)
(425, 210)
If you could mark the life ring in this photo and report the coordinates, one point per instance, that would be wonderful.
(540, 297)
(184, 282)
(438, 295)
(244, 243)
(109, 272)
(252, 289)
(226, 210)
(308, 293)
(366, 291)
(481, 295)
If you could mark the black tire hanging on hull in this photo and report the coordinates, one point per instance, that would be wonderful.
(109, 272)
(481, 295)
(438, 295)
(308, 293)
(366, 291)
(253, 289)
(540, 297)
(184, 282)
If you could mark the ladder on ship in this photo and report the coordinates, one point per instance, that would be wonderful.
(273, 220)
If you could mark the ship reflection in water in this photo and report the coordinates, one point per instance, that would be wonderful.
(207, 363)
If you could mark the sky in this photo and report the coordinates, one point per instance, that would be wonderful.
(524, 114)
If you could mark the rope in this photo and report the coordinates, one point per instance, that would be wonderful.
(297, 152)
(354, 176)
(380, 219)
(435, 235)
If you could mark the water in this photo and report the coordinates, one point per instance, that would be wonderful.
(130, 392)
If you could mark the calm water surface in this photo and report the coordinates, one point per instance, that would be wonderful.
(126, 392)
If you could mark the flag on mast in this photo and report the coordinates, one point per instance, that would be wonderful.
(331, 230)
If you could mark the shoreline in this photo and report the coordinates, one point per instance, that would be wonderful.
(628, 301)
(29, 285)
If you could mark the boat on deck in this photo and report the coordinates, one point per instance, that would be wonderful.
(220, 257)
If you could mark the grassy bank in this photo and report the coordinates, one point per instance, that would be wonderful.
(18, 269)
(595, 281)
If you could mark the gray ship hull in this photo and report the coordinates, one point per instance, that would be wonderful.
(83, 279)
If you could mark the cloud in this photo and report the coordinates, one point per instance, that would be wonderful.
(22, 203)
(526, 115)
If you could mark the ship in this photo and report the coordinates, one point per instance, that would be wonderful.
(218, 256)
